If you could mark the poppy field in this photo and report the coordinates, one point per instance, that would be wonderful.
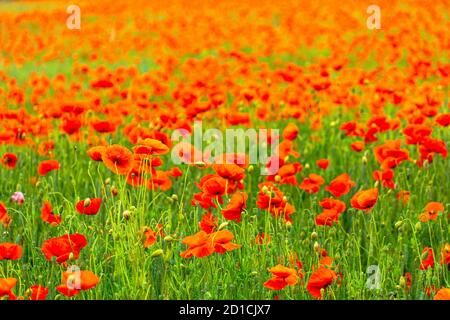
(100, 199)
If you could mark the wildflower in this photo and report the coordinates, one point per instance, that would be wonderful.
(18, 197)
(281, 277)
(365, 199)
(89, 206)
(48, 165)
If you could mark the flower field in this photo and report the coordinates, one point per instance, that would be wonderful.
(106, 194)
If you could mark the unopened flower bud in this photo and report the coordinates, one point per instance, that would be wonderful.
(316, 246)
(157, 253)
(168, 238)
(223, 225)
(418, 226)
(398, 224)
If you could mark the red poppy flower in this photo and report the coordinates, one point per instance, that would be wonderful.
(386, 178)
(281, 277)
(312, 183)
(290, 132)
(62, 247)
(358, 146)
(38, 292)
(203, 244)
(95, 153)
(75, 281)
(320, 279)
(6, 286)
(48, 216)
(327, 217)
(445, 254)
(10, 251)
(340, 186)
(323, 163)
(89, 206)
(365, 199)
(150, 147)
(9, 160)
(403, 196)
(427, 259)
(47, 166)
(432, 210)
(208, 223)
(118, 159)
(235, 207)
(443, 294)
(4, 217)
(150, 236)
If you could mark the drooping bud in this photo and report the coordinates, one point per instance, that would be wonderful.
(157, 253)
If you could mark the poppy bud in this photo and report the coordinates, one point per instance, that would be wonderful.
(268, 82)
(254, 273)
(364, 160)
(114, 191)
(333, 123)
(174, 197)
(284, 199)
(286, 159)
(200, 164)
(307, 166)
(250, 168)
(288, 225)
(375, 185)
(107, 181)
(402, 282)
(157, 253)
(87, 202)
(264, 189)
(314, 235)
(71, 256)
(168, 238)
(316, 246)
(126, 214)
(398, 224)
(277, 178)
(418, 226)
(223, 225)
